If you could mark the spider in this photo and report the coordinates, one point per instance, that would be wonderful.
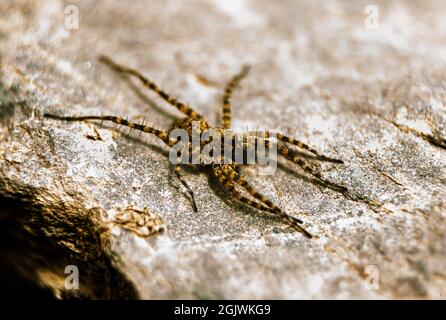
(228, 174)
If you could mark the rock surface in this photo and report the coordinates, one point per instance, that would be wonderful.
(374, 97)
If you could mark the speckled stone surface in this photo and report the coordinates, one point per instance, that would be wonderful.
(318, 74)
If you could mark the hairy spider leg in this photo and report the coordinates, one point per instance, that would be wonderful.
(233, 175)
(161, 134)
(178, 173)
(152, 86)
(228, 185)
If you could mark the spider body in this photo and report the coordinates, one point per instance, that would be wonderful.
(186, 123)
(227, 172)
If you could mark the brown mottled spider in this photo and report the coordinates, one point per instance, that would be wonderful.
(227, 173)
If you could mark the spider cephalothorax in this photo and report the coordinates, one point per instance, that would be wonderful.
(225, 168)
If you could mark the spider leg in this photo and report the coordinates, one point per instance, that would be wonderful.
(292, 156)
(433, 139)
(152, 86)
(304, 146)
(233, 175)
(227, 183)
(232, 84)
(163, 135)
(299, 144)
(178, 172)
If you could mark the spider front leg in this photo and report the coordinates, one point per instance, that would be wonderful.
(228, 93)
(178, 172)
